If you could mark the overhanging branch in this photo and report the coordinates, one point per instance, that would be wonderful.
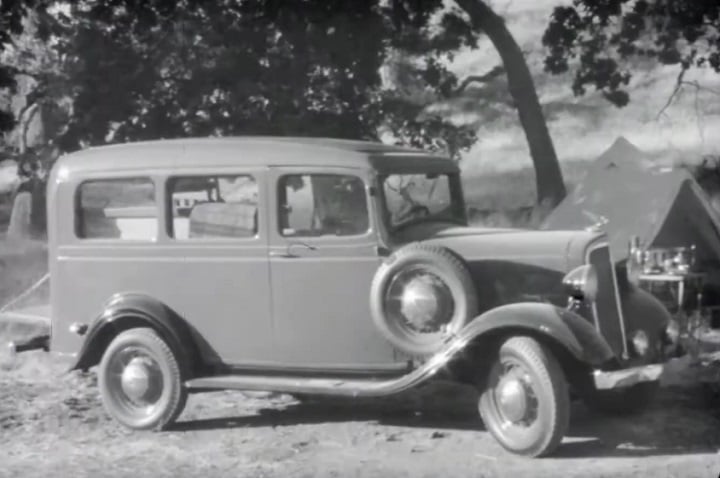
(484, 78)
(675, 92)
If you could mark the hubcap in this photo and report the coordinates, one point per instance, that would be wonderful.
(512, 399)
(135, 378)
(515, 398)
(420, 301)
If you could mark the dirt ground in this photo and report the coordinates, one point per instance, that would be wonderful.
(53, 424)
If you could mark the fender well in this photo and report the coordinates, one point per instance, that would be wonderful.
(575, 342)
(130, 310)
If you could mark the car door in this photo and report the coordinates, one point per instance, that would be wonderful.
(323, 255)
(222, 285)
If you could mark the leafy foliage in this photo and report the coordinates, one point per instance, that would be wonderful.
(162, 69)
(600, 39)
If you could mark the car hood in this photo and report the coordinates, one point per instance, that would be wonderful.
(512, 265)
(554, 250)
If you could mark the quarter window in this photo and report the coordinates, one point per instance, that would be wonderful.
(213, 207)
(117, 209)
(321, 205)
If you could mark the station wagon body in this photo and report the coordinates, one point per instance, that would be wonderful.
(310, 266)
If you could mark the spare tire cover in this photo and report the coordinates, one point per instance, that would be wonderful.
(421, 295)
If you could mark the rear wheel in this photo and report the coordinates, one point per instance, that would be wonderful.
(526, 403)
(140, 381)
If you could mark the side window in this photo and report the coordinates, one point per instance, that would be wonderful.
(321, 205)
(213, 207)
(116, 209)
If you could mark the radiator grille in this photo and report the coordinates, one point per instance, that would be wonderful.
(607, 313)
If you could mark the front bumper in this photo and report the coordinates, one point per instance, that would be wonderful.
(627, 377)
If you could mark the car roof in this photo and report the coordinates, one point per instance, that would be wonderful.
(249, 151)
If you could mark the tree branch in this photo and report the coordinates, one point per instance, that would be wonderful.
(484, 78)
(34, 108)
(675, 92)
(696, 84)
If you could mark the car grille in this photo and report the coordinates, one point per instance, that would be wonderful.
(607, 312)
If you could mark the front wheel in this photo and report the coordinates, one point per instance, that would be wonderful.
(140, 381)
(526, 402)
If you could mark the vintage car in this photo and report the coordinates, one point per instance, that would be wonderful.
(331, 267)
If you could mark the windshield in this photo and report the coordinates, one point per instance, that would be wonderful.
(415, 198)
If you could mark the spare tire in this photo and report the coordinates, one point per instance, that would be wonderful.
(421, 295)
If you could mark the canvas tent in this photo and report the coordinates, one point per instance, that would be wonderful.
(663, 207)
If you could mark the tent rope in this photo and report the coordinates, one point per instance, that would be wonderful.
(25, 293)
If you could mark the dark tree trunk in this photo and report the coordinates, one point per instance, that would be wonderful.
(548, 176)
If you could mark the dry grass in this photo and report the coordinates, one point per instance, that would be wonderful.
(510, 190)
(21, 265)
(507, 199)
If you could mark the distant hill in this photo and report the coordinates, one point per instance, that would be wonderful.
(582, 128)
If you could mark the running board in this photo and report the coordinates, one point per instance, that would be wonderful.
(323, 386)
(328, 386)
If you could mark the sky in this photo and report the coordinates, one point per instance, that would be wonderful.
(685, 131)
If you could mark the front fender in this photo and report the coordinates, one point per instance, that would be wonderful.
(128, 310)
(561, 326)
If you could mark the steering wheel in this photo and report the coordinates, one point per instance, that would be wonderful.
(415, 212)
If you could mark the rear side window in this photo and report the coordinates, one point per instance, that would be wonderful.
(116, 209)
(213, 207)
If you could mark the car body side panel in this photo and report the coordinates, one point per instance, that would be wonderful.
(221, 286)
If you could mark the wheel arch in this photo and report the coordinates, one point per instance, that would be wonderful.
(481, 349)
(126, 311)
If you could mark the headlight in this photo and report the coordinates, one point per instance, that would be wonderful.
(672, 332)
(582, 283)
(641, 343)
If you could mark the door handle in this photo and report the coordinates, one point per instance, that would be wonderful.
(285, 254)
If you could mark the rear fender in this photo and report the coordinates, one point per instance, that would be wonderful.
(129, 310)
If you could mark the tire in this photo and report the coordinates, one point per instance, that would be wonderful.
(522, 430)
(446, 272)
(625, 401)
(144, 350)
